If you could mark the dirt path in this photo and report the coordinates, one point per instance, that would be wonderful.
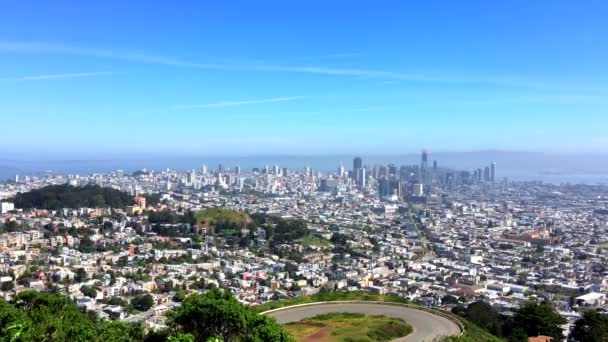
(320, 335)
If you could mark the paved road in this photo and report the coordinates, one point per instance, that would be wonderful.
(427, 326)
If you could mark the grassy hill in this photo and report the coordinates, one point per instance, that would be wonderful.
(223, 221)
(313, 241)
(342, 327)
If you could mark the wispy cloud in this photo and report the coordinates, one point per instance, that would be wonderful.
(239, 103)
(56, 76)
(345, 72)
(331, 56)
(383, 75)
(21, 47)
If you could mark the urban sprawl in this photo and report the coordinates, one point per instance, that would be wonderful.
(436, 236)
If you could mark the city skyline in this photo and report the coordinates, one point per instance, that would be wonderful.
(244, 79)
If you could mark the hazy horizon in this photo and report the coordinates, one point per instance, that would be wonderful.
(521, 166)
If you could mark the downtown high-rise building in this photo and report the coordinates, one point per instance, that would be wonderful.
(361, 178)
(357, 167)
(357, 163)
(486, 174)
(424, 164)
(191, 177)
(493, 172)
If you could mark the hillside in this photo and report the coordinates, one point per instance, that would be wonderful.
(226, 221)
(66, 196)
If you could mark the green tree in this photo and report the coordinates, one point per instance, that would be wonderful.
(449, 299)
(7, 286)
(143, 302)
(592, 327)
(88, 291)
(81, 275)
(180, 295)
(482, 314)
(14, 324)
(539, 318)
(181, 338)
(218, 314)
(117, 331)
(66, 196)
(53, 318)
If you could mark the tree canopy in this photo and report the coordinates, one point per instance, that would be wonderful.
(214, 316)
(218, 314)
(592, 327)
(482, 314)
(143, 302)
(287, 231)
(532, 319)
(36, 316)
(539, 318)
(56, 197)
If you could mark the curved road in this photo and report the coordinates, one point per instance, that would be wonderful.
(427, 326)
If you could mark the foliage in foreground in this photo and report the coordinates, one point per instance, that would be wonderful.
(592, 327)
(218, 314)
(532, 319)
(214, 316)
(35, 316)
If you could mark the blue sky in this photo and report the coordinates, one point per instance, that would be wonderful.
(303, 77)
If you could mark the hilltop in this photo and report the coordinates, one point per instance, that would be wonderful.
(55, 197)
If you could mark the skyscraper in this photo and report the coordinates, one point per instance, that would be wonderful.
(418, 189)
(237, 170)
(191, 177)
(361, 178)
(392, 170)
(493, 172)
(424, 163)
(383, 187)
(357, 163)
(357, 166)
(486, 174)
